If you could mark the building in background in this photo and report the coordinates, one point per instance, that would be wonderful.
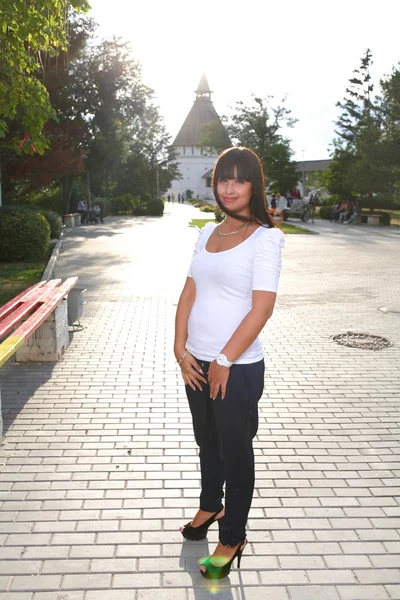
(195, 160)
(309, 175)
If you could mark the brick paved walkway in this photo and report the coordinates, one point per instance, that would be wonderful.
(99, 467)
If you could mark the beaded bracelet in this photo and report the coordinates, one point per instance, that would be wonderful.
(180, 361)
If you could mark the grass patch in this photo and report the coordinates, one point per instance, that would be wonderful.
(15, 277)
(200, 222)
(286, 228)
(293, 229)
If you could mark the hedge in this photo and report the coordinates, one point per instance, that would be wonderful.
(24, 235)
(325, 212)
(53, 218)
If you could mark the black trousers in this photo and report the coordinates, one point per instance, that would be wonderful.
(224, 431)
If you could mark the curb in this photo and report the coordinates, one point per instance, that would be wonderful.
(48, 272)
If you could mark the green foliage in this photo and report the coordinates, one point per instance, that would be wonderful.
(366, 159)
(259, 126)
(24, 235)
(325, 211)
(29, 30)
(330, 200)
(145, 197)
(124, 204)
(385, 218)
(55, 222)
(213, 135)
(207, 208)
(219, 215)
(140, 210)
(155, 207)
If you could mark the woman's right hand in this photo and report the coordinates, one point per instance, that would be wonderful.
(192, 373)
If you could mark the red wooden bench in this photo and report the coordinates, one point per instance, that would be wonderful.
(25, 313)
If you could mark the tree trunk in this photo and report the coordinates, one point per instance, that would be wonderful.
(68, 181)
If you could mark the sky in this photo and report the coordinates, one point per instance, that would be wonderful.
(305, 50)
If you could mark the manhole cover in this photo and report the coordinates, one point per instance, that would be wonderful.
(390, 310)
(366, 341)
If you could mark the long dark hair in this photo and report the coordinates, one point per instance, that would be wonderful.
(248, 168)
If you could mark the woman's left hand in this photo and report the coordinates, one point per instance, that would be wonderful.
(218, 379)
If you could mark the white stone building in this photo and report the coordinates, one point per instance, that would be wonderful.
(195, 161)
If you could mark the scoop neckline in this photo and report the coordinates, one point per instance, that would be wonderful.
(234, 247)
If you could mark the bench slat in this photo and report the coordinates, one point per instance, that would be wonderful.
(27, 304)
(41, 314)
(14, 302)
(9, 346)
(24, 331)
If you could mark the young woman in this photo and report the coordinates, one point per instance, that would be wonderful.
(228, 297)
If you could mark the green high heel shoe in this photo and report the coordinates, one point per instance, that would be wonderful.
(218, 572)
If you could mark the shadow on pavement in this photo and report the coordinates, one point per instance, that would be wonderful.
(191, 553)
(19, 382)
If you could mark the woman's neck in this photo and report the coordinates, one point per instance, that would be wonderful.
(232, 222)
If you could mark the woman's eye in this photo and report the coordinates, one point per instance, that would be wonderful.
(223, 180)
(239, 180)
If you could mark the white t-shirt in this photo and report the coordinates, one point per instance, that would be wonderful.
(224, 283)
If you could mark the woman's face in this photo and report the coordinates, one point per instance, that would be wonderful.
(235, 194)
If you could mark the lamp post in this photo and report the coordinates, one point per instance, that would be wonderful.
(158, 184)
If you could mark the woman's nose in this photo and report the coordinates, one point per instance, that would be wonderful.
(230, 186)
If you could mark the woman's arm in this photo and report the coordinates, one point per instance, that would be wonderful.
(185, 305)
(191, 371)
(251, 326)
(242, 338)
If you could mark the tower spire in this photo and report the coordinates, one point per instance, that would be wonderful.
(203, 89)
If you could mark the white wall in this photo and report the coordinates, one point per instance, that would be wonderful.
(192, 168)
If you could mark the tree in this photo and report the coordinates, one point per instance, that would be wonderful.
(28, 30)
(390, 106)
(259, 127)
(213, 135)
(115, 101)
(65, 136)
(358, 167)
(151, 158)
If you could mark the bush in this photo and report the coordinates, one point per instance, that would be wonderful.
(124, 204)
(325, 212)
(207, 208)
(145, 198)
(219, 215)
(155, 207)
(24, 235)
(55, 222)
(330, 200)
(140, 210)
(53, 218)
(385, 218)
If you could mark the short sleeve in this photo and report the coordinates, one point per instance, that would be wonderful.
(267, 263)
(201, 242)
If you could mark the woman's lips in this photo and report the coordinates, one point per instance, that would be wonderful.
(228, 199)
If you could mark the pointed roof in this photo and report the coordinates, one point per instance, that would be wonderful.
(201, 113)
(203, 87)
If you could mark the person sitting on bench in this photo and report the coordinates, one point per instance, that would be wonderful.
(355, 213)
(83, 210)
(97, 212)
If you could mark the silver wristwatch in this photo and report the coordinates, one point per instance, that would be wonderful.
(223, 361)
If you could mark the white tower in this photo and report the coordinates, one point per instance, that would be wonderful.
(195, 161)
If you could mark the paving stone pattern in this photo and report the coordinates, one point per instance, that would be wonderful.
(99, 467)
